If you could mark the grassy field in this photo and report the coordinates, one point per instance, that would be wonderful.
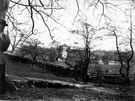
(93, 93)
(112, 69)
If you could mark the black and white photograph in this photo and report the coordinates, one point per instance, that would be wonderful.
(67, 50)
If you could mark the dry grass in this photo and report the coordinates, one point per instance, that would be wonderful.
(54, 94)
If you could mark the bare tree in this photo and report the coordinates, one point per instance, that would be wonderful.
(103, 6)
(32, 9)
(88, 34)
(19, 37)
(30, 47)
(126, 58)
(45, 10)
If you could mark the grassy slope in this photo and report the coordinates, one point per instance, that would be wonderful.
(28, 70)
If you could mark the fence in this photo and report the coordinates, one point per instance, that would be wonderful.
(106, 74)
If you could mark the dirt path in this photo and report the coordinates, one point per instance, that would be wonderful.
(79, 92)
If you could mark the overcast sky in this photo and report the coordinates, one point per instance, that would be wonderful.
(67, 16)
(67, 19)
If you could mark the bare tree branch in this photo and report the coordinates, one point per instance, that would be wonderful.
(78, 9)
(38, 7)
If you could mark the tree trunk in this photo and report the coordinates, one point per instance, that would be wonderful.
(3, 8)
(2, 79)
(85, 66)
(127, 75)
